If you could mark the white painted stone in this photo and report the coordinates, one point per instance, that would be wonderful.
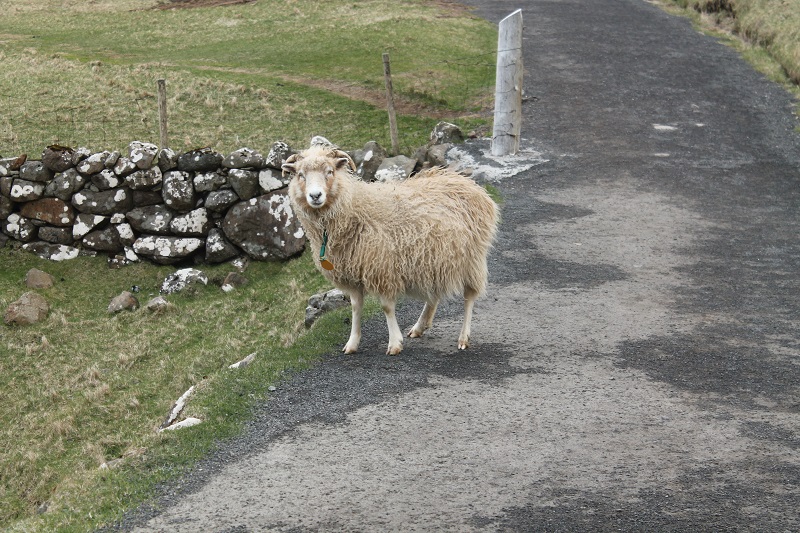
(177, 407)
(189, 422)
(244, 362)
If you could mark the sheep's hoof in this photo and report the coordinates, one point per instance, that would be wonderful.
(348, 350)
(463, 344)
(394, 350)
(413, 333)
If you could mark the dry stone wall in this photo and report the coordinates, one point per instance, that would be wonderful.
(169, 207)
(150, 203)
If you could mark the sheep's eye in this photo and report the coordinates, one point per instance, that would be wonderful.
(329, 174)
(301, 176)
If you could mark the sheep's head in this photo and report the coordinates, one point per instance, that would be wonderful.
(314, 175)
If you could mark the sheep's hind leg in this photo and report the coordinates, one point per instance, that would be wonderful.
(469, 302)
(425, 319)
(395, 335)
(356, 302)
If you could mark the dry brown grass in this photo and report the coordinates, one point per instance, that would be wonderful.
(773, 25)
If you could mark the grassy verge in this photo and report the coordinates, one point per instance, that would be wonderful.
(765, 32)
(84, 387)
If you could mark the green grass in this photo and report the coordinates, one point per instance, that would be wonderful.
(85, 387)
(91, 78)
(495, 194)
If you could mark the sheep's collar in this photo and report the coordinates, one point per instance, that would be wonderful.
(327, 265)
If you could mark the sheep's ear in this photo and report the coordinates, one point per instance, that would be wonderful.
(342, 159)
(289, 166)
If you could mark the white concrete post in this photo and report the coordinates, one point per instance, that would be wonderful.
(508, 87)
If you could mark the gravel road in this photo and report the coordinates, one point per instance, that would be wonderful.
(635, 365)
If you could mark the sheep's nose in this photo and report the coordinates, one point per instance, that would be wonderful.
(315, 196)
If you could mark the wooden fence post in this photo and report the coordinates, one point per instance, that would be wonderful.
(162, 113)
(387, 74)
(508, 87)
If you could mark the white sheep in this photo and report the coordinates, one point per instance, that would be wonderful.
(426, 237)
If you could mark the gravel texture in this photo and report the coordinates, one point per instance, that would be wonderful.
(635, 364)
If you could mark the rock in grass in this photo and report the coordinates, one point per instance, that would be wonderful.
(158, 304)
(328, 301)
(177, 408)
(36, 279)
(110, 465)
(244, 362)
(29, 309)
(446, 133)
(187, 423)
(321, 303)
(234, 280)
(179, 280)
(124, 301)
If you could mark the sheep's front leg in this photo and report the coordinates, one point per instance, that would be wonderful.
(425, 319)
(356, 302)
(395, 335)
(469, 302)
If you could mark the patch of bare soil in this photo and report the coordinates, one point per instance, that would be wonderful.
(449, 8)
(377, 98)
(452, 9)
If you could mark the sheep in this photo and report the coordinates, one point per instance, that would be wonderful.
(427, 237)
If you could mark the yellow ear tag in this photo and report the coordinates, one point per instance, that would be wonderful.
(327, 265)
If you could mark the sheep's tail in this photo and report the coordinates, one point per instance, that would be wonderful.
(483, 234)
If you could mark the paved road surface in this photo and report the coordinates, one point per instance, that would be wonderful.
(635, 366)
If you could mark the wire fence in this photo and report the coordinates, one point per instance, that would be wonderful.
(70, 127)
(452, 89)
(458, 86)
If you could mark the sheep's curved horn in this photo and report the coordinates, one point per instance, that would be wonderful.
(288, 165)
(344, 158)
